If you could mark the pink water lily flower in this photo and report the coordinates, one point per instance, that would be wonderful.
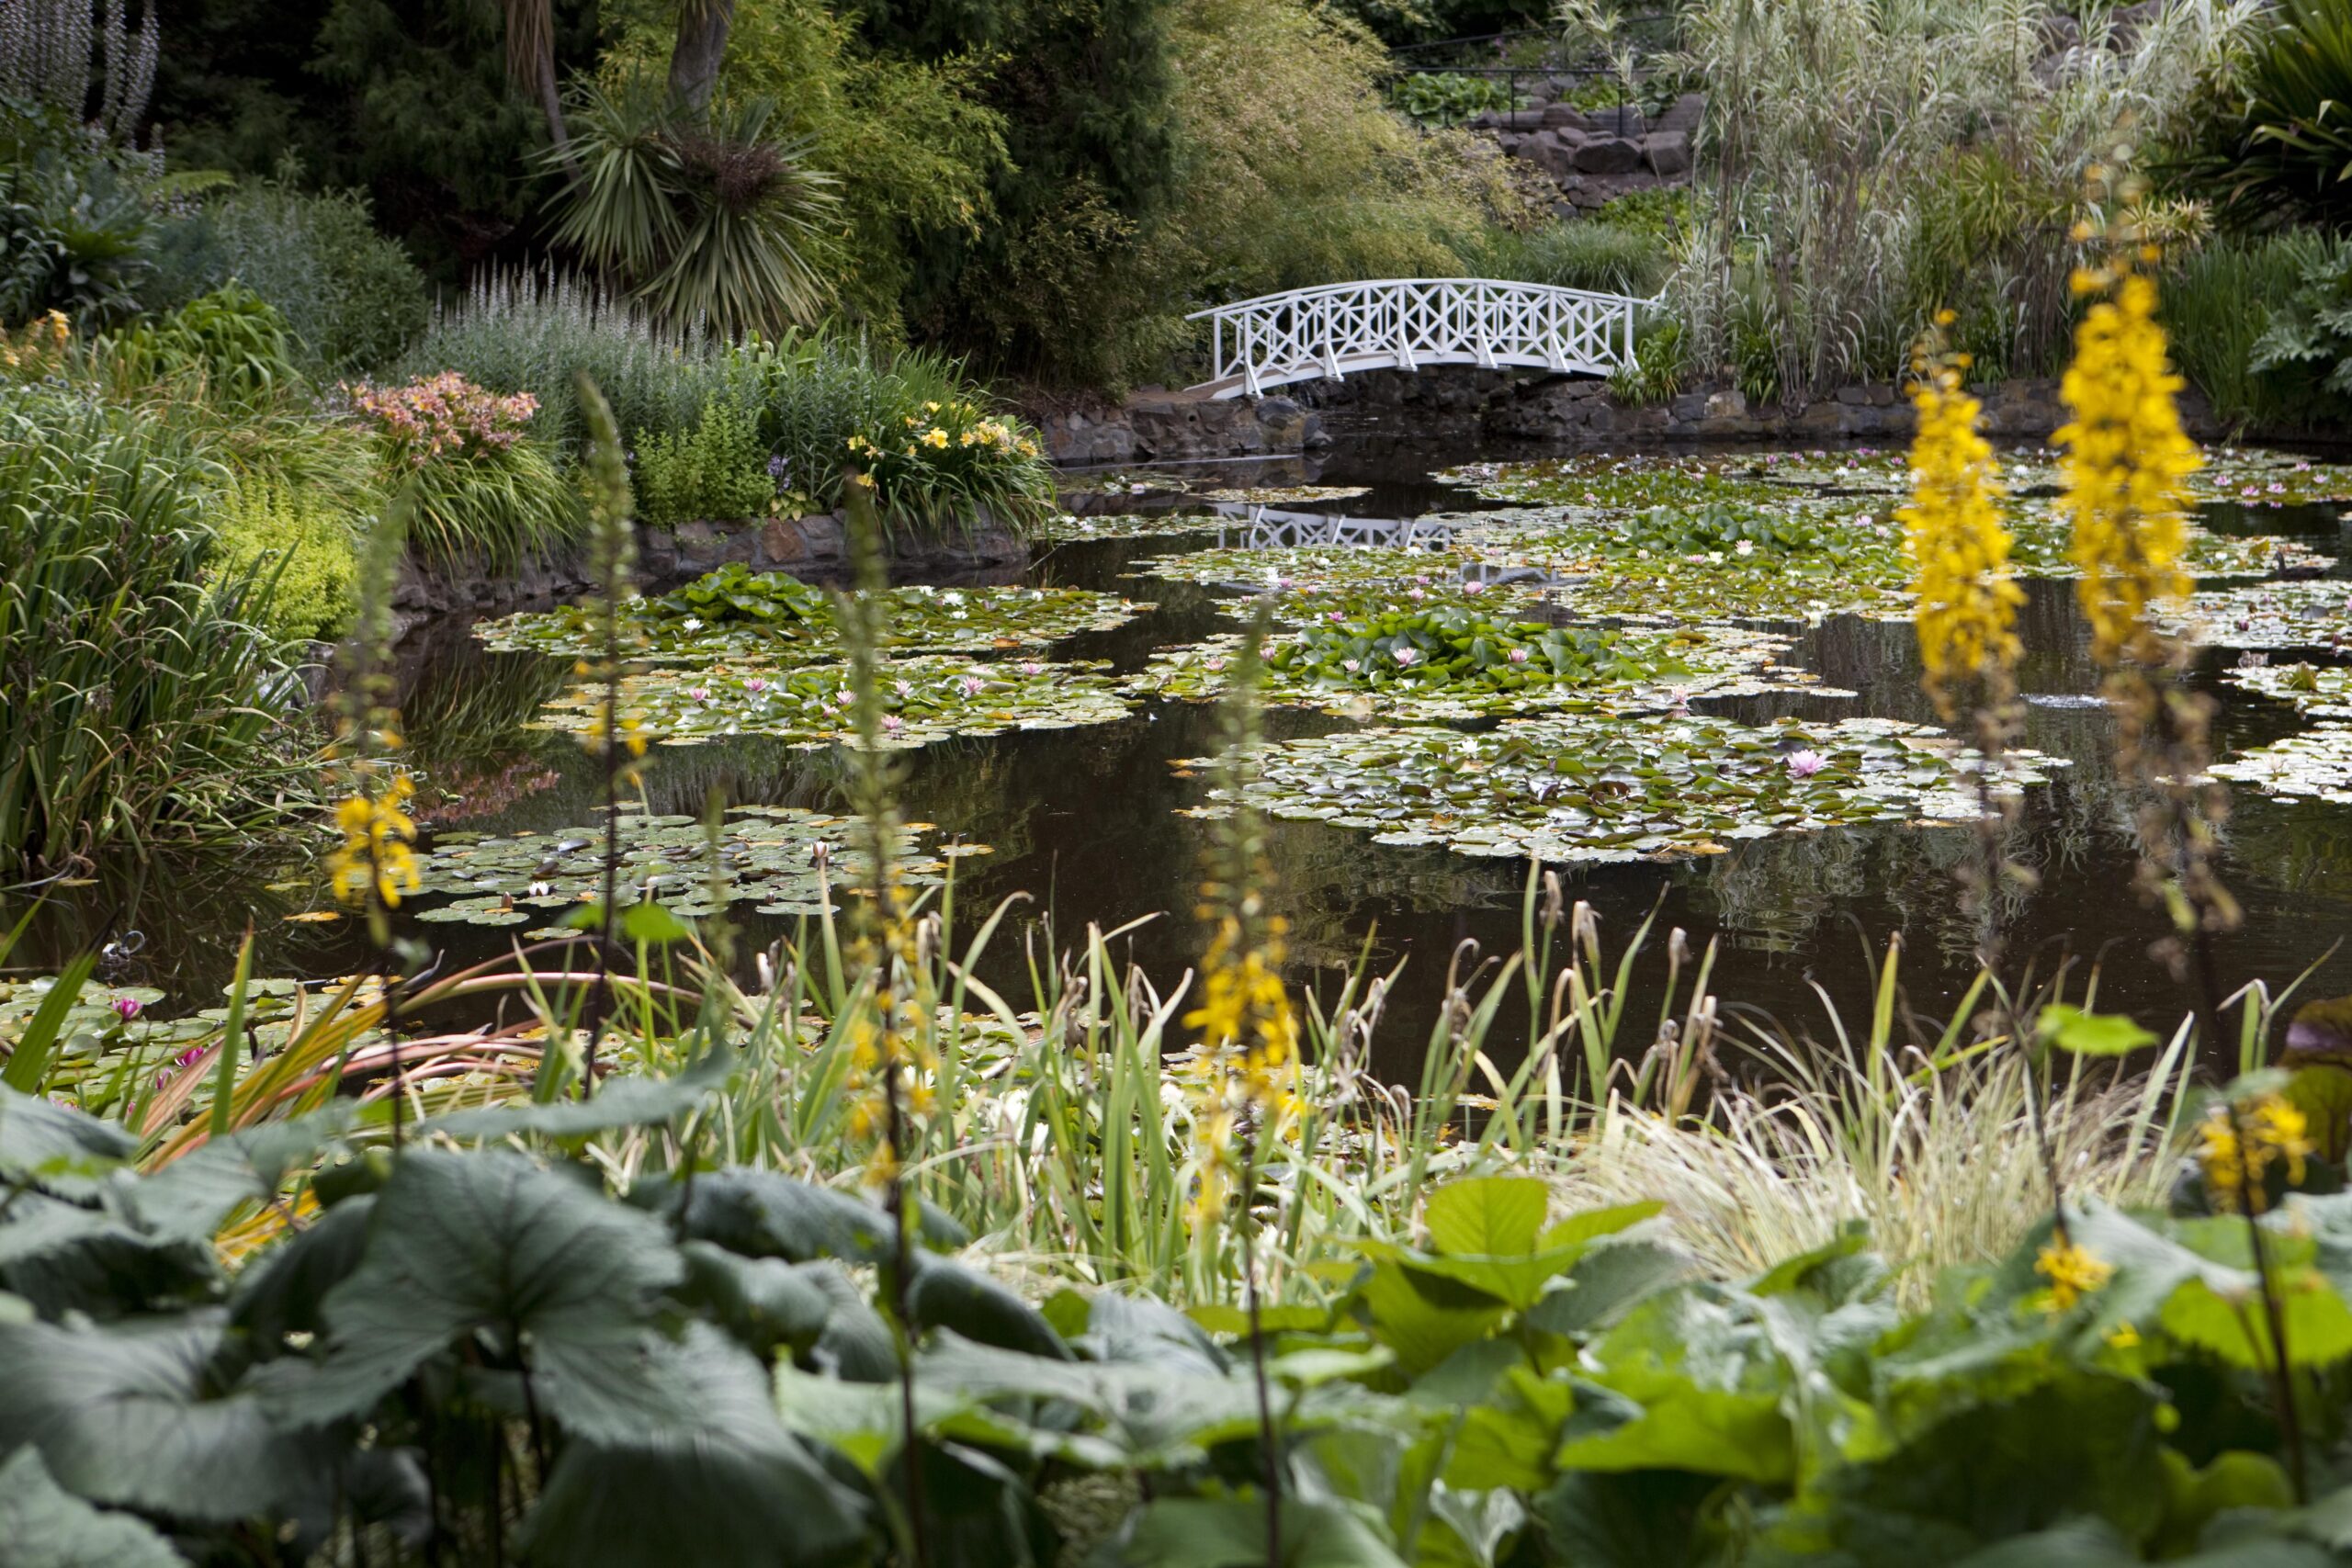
(892, 722)
(1351, 665)
(1415, 594)
(1519, 656)
(1408, 656)
(1212, 663)
(755, 686)
(1474, 588)
(699, 694)
(1032, 667)
(126, 1007)
(1805, 764)
(905, 690)
(971, 684)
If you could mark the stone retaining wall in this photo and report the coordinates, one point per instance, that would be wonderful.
(1507, 407)
(1166, 427)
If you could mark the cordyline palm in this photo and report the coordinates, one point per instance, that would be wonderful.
(702, 213)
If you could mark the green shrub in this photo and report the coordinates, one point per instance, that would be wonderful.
(1445, 98)
(351, 298)
(1586, 253)
(718, 469)
(144, 705)
(232, 339)
(830, 403)
(289, 538)
(76, 237)
(1661, 360)
(2220, 305)
(2276, 136)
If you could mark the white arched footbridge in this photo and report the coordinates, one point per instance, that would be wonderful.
(1409, 322)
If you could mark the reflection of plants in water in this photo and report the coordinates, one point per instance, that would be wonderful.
(467, 712)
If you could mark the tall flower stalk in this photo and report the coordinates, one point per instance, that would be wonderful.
(374, 864)
(892, 1062)
(2126, 460)
(612, 562)
(1246, 1070)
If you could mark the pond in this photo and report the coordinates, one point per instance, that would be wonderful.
(1785, 802)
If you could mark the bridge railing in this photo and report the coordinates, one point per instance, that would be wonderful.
(1405, 323)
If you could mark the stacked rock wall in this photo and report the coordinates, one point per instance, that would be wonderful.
(1593, 155)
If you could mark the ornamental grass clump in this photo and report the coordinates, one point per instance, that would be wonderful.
(478, 487)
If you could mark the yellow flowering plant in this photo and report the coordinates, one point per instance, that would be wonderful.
(1967, 597)
(2125, 462)
(1244, 1073)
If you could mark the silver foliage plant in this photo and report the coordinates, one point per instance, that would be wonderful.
(45, 59)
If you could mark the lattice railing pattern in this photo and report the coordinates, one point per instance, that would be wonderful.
(1406, 323)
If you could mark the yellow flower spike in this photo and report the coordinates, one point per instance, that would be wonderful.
(2073, 1272)
(2125, 460)
(1967, 595)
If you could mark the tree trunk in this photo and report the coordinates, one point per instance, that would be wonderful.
(702, 43)
(530, 66)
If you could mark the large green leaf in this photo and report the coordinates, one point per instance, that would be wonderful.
(44, 1525)
(948, 1295)
(1606, 1283)
(63, 1150)
(761, 1214)
(737, 1489)
(122, 1415)
(461, 1244)
(1490, 1216)
(621, 1103)
(285, 1290)
(1198, 1532)
(2234, 1325)
(195, 1194)
(765, 1302)
(1423, 1316)
(1679, 1425)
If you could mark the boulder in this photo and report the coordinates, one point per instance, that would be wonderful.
(1567, 117)
(1519, 119)
(1619, 119)
(1683, 115)
(1609, 155)
(1667, 154)
(1729, 403)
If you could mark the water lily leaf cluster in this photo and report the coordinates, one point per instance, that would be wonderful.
(2266, 615)
(2313, 766)
(924, 699)
(1424, 666)
(789, 860)
(2314, 690)
(738, 613)
(1609, 787)
(1068, 529)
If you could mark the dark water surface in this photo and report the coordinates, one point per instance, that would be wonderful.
(1086, 820)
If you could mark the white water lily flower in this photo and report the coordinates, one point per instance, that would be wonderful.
(692, 623)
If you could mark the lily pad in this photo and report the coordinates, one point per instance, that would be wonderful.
(2266, 615)
(1450, 663)
(923, 699)
(2314, 765)
(1600, 788)
(2320, 693)
(775, 855)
